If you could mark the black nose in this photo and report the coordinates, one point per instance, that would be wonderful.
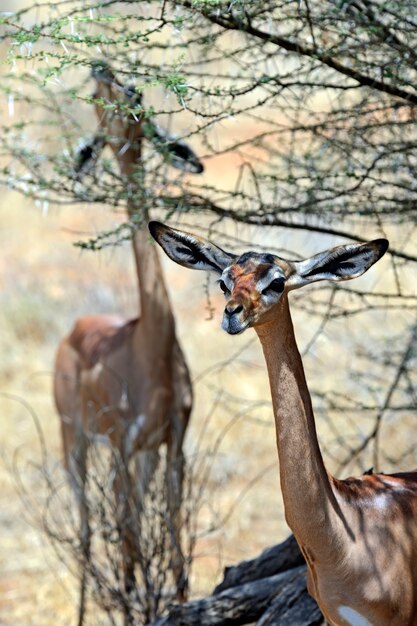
(232, 308)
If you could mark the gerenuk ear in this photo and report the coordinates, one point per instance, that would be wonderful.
(190, 251)
(178, 153)
(340, 263)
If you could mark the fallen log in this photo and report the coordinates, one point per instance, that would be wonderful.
(271, 561)
(241, 604)
(293, 607)
(270, 590)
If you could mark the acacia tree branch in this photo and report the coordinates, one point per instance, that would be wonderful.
(197, 203)
(230, 22)
(374, 434)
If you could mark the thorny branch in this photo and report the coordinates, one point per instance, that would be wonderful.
(305, 116)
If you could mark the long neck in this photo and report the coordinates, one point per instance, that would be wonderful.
(155, 307)
(309, 502)
(157, 327)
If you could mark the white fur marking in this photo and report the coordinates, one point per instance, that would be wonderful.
(96, 371)
(352, 617)
(380, 501)
(133, 432)
(124, 401)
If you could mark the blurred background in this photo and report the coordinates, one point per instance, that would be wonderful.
(300, 154)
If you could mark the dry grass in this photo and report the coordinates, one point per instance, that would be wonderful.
(45, 284)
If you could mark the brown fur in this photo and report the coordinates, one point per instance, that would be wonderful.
(95, 337)
(125, 379)
(359, 535)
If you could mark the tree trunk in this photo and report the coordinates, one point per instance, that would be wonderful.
(269, 590)
(271, 561)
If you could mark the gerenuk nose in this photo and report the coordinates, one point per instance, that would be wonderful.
(232, 308)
